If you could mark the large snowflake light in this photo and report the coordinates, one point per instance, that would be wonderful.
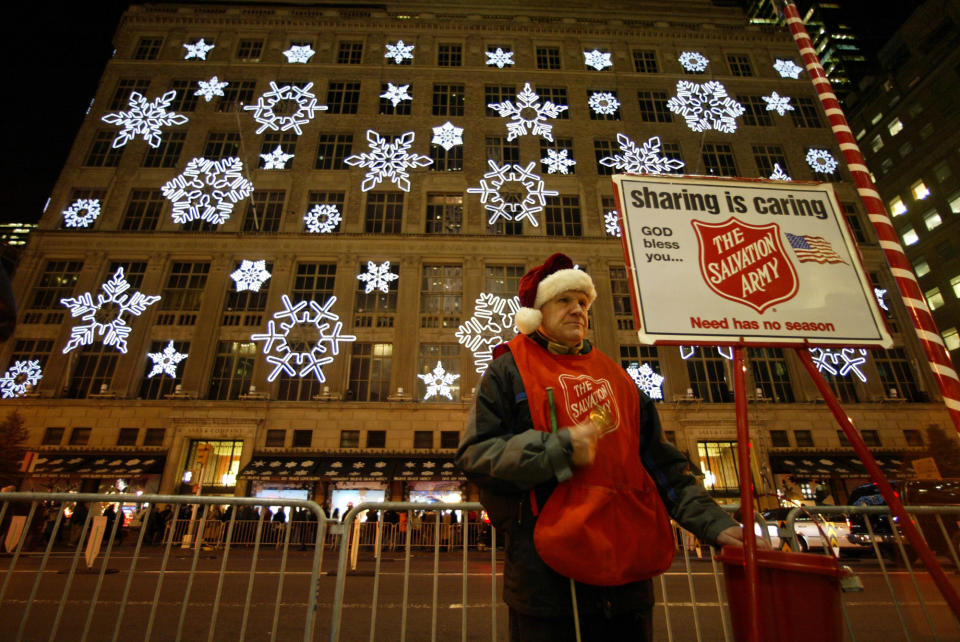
(82, 212)
(491, 324)
(693, 61)
(166, 362)
(308, 331)
(299, 53)
(558, 162)
(388, 159)
(210, 88)
(396, 94)
(21, 374)
(264, 112)
(647, 380)
(197, 50)
(706, 106)
(144, 118)
(447, 135)
(603, 103)
(513, 193)
(776, 102)
(399, 52)
(499, 58)
(820, 160)
(611, 222)
(207, 190)
(105, 317)
(779, 174)
(787, 68)
(277, 159)
(597, 59)
(840, 362)
(377, 277)
(528, 102)
(250, 275)
(438, 382)
(322, 219)
(641, 160)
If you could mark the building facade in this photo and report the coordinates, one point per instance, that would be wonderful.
(381, 169)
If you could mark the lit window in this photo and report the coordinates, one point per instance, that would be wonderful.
(951, 339)
(955, 285)
(876, 119)
(895, 126)
(896, 206)
(861, 134)
(909, 236)
(877, 143)
(921, 267)
(954, 203)
(934, 298)
(919, 190)
(932, 220)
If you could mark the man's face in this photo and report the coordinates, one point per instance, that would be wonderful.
(565, 317)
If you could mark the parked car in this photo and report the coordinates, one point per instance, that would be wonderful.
(836, 528)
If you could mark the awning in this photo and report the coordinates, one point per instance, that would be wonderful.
(97, 464)
(280, 467)
(349, 468)
(819, 464)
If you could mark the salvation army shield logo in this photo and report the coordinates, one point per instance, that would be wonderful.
(746, 263)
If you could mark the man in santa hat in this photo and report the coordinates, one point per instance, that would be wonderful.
(573, 467)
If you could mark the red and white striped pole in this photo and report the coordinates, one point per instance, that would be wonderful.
(937, 355)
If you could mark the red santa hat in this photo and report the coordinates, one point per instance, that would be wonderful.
(546, 281)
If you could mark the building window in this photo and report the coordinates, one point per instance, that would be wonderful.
(57, 281)
(232, 369)
(877, 143)
(919, 190)
(634, 355)
(93, 370)
(375, 308)
(302, 438)
(402, 108)
(423, 439)
(707, 373)
(803, 438)
(221, 145)
(448, 100)
(186, 98)
(294, 388)
(183, 292)
(942, 171)
(597, 116)
(672, 151)
(805, 113)
(449, 439)
(909, 236)
(82, 193)
(895, 126)
(953, 201)
(384, 213)
(223, 464)
(558, 145)
(914, 438)
(954, 284)
(313, 281)
(718, 461)
(79, 437)
(548, 57)
(449, 55)
(249, 50)
(770, 374)
(932, 220)
(161, 384)
(444, 213)
(125, 87)
(52, 436)
(441, 296)
(167, 153)
(370, 371)
(767, 156)
(645, 61)
(755, 111)
(653, 106)
(503, 151)
(448, 356)
(718, 159)
(446, 160)
(842, 438)
(102, 152)
(502, 280)
(332, 149)
(350, 52)
(934, 298)
(264, 209)
(871, 438)
(286, 141)
(603, 149)
(276, 438)
(896, 206)
(496, 94)
(148, 49)
(154, 436)
(921, 267)
(32, 350)
(245, 307)
(944, 250)
(326, 198)
(622, 305)
(895, 374)
(376, 439)
(739, 65)
(343, 97)
(779, 439)
(951, 339)
(236, 94)
(556, 95)
(562, 215)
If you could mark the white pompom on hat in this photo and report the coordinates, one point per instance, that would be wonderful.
(546, 281)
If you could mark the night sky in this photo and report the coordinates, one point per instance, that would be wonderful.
(55, 54)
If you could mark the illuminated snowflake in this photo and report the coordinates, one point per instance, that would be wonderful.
(250, 275)
(447, 135)
(399, 52)
(388, 159)
(276, 159)
(641, 160)
(438, 382)
(264, 112)
(499, 58)
(21, 374)
(604, 103)
(491, 324)
(105, 317)
(144, 119)
(502, 196)
(299, 53)
(787, 68)
(705, 106)
(558, 162)
(840, 362)
(776, 102)
(611, 221)
(688, 351)
(322, 219)
(693, 61)
(779, 174)
(597, 59)
(377, 277)
(207, 190)
(197, 50)
(647, 380)
(166, 362)
(308, 332)
(820, 160)
(82, 212)
(210, 88)
(880, 293)
(396, 94)
(528, 100)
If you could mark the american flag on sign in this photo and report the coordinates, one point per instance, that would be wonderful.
(813, 248)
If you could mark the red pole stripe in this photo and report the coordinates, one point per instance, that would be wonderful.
(938, 357)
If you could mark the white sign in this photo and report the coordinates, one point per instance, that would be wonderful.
(744, 261)
(97, 527)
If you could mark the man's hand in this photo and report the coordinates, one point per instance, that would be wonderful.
(733, 536)
(583, 439)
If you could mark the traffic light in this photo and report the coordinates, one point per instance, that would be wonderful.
(203, 453)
